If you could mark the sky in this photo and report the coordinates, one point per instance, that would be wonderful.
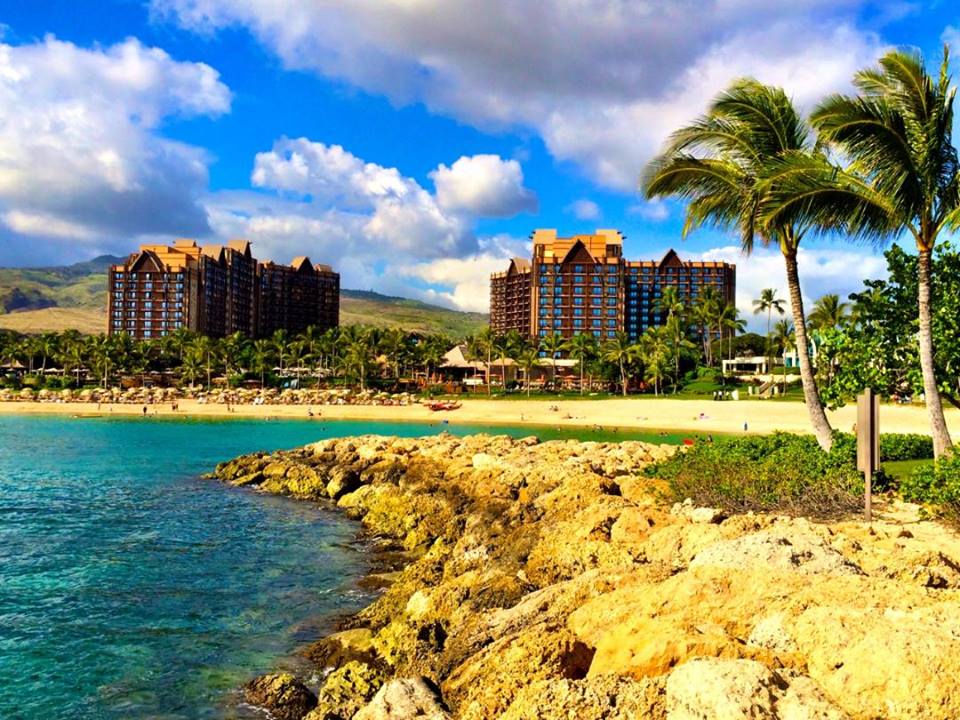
(412, 144)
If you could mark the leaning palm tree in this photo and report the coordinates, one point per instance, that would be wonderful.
(828, 312)
(896, 134)
(769, 303)
(654, 349)
(725, 164)
(671, 307)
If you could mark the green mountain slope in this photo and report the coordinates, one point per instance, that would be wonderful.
(54, 299)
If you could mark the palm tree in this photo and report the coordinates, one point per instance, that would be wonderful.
(261, 358)
(727, 164)
(678, 342)
(281, 344)
(732, 322)
(785, 338)
(552, 344)
(622, 352)
(707, 308)
(527, 360)
(582, 347)
(828, 312)
(768, 303)
(654, 348)
(896, 133)
(671, 305)
(485, 343)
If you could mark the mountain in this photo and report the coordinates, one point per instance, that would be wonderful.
(53, 299)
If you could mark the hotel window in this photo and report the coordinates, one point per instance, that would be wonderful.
(578, 323)
(611, 312)
(596, 301)
(578, 301)
(596, 291)
(578, 268)
(557, 322)
(596, 312)
(612, 290)
(596, 323)
(558, 300)
(611, 333)
(578, 312)
(579, 279)
(578, 290)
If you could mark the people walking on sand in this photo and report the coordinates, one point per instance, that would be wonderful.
(144, 410)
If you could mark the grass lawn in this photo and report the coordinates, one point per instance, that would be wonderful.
(901, 469)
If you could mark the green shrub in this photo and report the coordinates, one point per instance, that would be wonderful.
(936, 484)
(781, 472)
(912, 446)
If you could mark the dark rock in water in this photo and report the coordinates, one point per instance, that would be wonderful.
(282, 694)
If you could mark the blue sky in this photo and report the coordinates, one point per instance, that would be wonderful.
(414, 144)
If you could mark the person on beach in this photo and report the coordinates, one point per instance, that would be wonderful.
(144, 410)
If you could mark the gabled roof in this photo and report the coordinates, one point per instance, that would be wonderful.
(518, 265)
(301, 263)
(670, 259)
(214, 252)
(241, 246)
(579, 251)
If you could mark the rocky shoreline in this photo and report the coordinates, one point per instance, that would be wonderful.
(547, 580)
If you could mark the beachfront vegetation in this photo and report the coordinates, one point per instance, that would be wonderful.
(789, 473)
(870, 166)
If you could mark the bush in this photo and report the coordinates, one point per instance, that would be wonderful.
(936, 484)
(781, 472)
(905, 447)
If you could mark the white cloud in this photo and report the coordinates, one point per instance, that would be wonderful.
(822, 270)
(483, 185)
(467, 279)
(378, 227)
(602, 81)
(80, 152)
(584, 209)
(653, 210)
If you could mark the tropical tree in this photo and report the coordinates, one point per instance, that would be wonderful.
(828, 313)
(527, 361)
(707, 311)
(731, 321)
(769, 303)
(671, 307)
(896, 133)
(784, 339)
(582, 347)
(654, 349)
(261, 358)
(728, 164)
(552, 345)
(621, 352)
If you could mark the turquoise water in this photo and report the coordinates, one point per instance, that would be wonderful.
(131, 588)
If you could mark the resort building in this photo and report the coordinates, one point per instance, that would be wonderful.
(583, 284)
(295, 296)
(217, 290)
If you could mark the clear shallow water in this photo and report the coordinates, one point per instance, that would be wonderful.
(129, 587)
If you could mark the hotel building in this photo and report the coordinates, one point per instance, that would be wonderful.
(583, 284)
(217, 290)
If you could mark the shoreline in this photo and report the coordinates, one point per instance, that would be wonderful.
(545, 579)
(639, 414)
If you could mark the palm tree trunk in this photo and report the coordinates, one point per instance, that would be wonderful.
(938, 424)
(623, 379)
(581, 376)
(811, 395)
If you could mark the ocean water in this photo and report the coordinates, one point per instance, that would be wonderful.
(132, 588)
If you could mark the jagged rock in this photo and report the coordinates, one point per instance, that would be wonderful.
(285, 697)
(600, 698)
(404, 699)
(346, 690)
(545, 580)
(342, 647)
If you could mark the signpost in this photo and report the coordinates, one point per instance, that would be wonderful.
(868, 443)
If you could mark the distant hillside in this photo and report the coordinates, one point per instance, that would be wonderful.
(54, 299)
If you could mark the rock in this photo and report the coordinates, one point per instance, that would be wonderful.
(404, 699)
(797, 552)
(707, 689)
(285, 697)
(343, 480)
(346, 690)
(600, 698)
(342, 647)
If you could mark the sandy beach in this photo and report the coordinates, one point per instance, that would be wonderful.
(693, 415)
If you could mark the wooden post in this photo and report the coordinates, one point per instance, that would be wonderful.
(868, 443)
